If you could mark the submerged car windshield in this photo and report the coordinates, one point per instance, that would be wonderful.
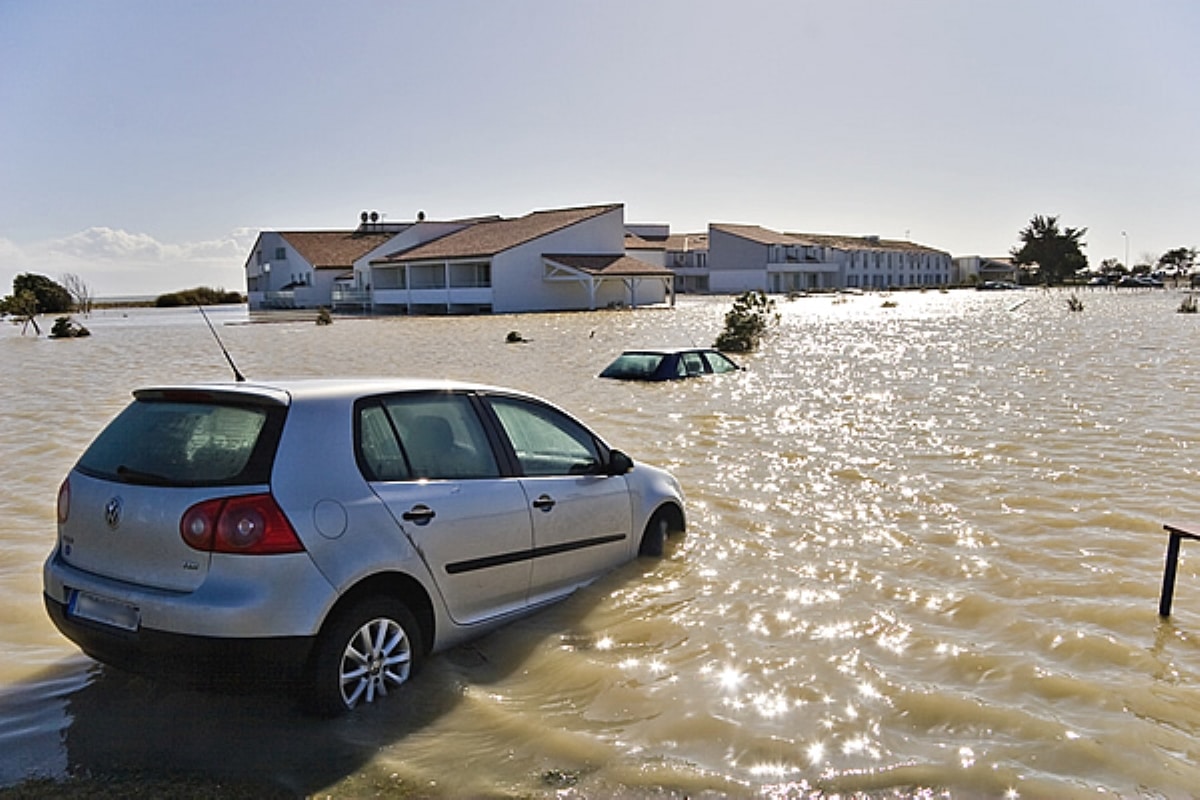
(165, 443)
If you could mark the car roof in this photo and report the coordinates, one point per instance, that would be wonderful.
(286, 390)
(666, 350)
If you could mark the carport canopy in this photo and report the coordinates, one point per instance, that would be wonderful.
(594, 270)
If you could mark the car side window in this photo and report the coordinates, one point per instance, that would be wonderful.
(693, 363)
(435, 436)
(546, 441)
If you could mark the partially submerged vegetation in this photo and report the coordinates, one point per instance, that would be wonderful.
(747, 322)
(67, 328)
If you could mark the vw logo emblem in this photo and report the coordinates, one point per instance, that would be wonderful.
(112, 513)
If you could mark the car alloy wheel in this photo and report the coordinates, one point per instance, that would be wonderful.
(366, 652)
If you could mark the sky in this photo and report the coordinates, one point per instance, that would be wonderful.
(145, 143)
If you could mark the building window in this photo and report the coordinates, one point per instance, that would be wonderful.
(280, 254)
(427, 276)
(475, 275)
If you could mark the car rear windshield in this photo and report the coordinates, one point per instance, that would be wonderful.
(633, 365)
(188, 443)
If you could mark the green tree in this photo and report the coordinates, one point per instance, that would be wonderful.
(1182, 258)
(52, 297)
(1058, 254)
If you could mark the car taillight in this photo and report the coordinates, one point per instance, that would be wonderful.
(64, 501)
(250, 525)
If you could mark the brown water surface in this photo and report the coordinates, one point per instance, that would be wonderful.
(925, 551)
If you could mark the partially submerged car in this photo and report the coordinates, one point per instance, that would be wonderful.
(334, 533)
(672, 363)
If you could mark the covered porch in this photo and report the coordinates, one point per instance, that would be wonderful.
(595, 271)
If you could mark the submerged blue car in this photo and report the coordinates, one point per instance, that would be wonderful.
(666, 364)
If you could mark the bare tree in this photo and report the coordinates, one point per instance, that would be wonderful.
(80, 292)
(24, 306)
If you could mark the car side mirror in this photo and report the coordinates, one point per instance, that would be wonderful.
(619, 463)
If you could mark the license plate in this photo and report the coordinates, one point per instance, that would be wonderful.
(103, 610)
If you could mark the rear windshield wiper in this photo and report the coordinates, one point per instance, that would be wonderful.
(130, 475)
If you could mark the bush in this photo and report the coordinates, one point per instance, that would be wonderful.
(66, 328)
(747, 322)
(199, 296)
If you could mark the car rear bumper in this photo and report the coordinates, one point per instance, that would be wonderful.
(204, 659)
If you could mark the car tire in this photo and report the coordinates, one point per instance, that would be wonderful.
(654, 540)
(365, 652)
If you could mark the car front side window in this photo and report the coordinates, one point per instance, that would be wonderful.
(546, 441)
(720, 363)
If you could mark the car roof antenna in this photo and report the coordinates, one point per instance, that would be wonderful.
(237, 376)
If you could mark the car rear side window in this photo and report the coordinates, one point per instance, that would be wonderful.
(693, 364)
(435, 436)
(169, 443)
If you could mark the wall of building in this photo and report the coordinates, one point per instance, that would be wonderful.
(735, 264)
(518, 273)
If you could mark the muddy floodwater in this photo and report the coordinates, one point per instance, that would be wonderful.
(924, 556)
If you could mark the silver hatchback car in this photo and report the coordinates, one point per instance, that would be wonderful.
(333, 533)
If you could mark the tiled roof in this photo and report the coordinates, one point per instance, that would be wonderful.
(756, 233)
(860, 242)
(490, 237)
(635, 242)
(614, 266)
(763, 236)
(681, 242)
(335, 249)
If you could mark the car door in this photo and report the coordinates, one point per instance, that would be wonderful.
(582, 517)
(428, 457)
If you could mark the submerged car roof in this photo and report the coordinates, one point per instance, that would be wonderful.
(668, 350)
(283, 391)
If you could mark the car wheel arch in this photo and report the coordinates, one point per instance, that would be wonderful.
(395, 585)
(654, 536)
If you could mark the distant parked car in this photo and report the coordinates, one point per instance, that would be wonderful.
(997, 286)
(334, 533)
(668, 364)
(1140, 282)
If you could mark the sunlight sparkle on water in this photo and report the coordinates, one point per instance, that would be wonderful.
(730, 678)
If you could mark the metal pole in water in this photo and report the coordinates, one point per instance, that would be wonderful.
(1168, 584)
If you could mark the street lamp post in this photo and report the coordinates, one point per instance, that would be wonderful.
(1127, 267)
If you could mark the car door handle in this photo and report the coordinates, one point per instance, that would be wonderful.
(544, 503)
(419, 514)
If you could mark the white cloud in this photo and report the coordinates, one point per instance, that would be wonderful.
(117, 262)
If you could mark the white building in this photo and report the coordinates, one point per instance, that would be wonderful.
(748, 257)
(554, 260)
(981, 269)
(299, 269)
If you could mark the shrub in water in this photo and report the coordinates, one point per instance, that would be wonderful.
(747, 322)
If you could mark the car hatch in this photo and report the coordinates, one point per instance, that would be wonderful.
(120, 508)
(131, 533)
